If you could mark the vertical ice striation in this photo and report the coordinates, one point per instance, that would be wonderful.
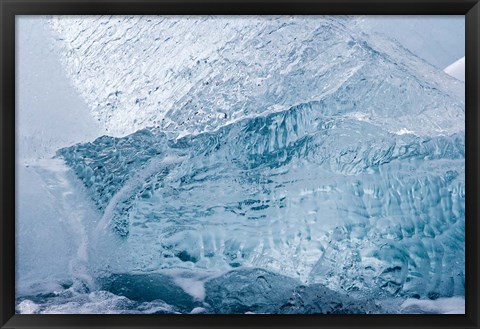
(292, 145)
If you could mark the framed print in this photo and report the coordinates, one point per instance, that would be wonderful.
(241, 164)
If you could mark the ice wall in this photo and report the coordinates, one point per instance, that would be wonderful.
(297, 145)
(295, 192)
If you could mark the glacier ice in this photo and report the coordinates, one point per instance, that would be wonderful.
(293, 149)
(296, 192)
(135, 71)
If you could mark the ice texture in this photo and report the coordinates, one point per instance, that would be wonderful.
(194, 74)
(269, 164)
(297, 146)
(295, 192)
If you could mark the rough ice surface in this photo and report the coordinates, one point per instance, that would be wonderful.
(233, 68)
(277, 165)
(295, 192)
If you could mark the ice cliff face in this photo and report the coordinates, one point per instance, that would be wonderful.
(305, 151)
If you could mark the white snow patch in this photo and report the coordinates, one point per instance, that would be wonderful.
(452, 305)
(457, 69)
(198, 310)
(191, 286)
(193, 283)
(27, 307)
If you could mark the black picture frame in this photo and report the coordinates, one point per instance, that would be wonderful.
(10, 8)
